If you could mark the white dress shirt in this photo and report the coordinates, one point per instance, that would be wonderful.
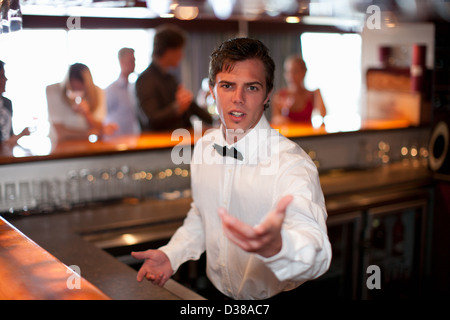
(272, 167)
(121, 107)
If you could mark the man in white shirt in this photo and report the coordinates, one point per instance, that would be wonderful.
(120, 97)
(258, 210)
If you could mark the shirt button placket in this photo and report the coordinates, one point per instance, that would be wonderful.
(228, 182)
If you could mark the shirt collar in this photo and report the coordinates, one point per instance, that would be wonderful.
(255, 139)
(122, 82)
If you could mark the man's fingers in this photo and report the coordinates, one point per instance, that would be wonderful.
(140, 255)
(264, 238)
(157, 279)
(235, 226)
(275, 218)
(141, 274)
(243, 231)
(284, 203)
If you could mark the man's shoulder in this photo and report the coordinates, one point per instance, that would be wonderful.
(288, 150)
(148, 75)
(115, 85)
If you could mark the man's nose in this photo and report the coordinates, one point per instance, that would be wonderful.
(238, 96)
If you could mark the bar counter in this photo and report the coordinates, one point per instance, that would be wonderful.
(29, 272)
(63, 235)
(76, 234)
(161, 140)
(71, 236)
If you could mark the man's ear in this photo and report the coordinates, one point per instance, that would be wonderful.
(268, 97)
(211, 90)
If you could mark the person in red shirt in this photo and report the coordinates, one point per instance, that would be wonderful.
(295, 103)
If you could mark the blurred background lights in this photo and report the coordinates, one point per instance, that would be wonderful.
(222, 8)
(292, 19)
(186, 13)
(275, 7)
(160, 7)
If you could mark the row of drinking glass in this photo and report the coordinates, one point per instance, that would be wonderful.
(85, 186)
(373, 155)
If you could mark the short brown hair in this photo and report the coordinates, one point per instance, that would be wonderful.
(240, 49)
(167, 37)
(124, 51)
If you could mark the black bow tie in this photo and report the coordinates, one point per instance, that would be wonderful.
(228, 152)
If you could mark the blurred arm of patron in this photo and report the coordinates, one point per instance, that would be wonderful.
(294, 103)
(164, 103)
(77, 107)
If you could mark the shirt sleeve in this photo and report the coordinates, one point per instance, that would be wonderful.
(306, 249)
(188, 242)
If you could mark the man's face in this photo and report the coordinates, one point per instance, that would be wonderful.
(241, 94)
(174, 56)
(128, 63)
(2, 81)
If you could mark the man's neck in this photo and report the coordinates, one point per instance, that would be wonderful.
(232, 136)
(161, 64)
(124, 76)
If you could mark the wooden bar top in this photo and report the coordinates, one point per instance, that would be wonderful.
(28, 272)
(32, 150)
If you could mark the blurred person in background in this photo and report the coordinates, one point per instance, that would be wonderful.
(76, 107)
(164, 103)
(120, 97)
(7, 135)
(295, 103)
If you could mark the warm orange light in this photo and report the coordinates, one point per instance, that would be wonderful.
(186, 13)
(292, 19)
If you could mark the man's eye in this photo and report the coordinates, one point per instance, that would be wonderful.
(226, 86)
(253, 88)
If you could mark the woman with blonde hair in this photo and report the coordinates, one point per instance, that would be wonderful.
(295, 103)
(77, 107)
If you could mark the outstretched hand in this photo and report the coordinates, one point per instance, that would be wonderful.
(264, 238)
(156, 267)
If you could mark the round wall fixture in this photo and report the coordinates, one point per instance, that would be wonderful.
(438, 147)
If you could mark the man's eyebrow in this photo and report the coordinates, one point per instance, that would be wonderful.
(251, 83)
(254, 83)
(226, 81)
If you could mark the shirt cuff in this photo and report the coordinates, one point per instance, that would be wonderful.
(279, 261)
(172, 258)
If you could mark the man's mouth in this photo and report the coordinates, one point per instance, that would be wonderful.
(237, 114)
